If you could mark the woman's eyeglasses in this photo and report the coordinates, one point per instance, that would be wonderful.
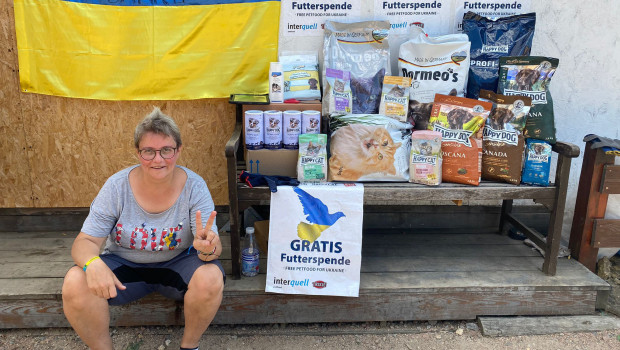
(149, 153)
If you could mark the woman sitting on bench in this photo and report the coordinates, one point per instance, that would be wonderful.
(149, 216)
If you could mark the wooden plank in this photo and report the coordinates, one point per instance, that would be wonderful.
(399, 237)
(516, 326)
(606, 233)
(610, 183)
(439, 250)
(532, 234)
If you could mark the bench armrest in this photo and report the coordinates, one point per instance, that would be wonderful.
(233, 143)
(566, 149)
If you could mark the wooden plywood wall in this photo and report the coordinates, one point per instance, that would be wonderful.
(58, 152)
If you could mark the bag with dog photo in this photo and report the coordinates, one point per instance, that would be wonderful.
(460, 121)
(531, 76)
(502, 139)
(301, 75)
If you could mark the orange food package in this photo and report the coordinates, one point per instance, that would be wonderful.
(460, 121)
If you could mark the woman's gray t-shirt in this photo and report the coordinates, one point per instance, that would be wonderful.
(143, 237)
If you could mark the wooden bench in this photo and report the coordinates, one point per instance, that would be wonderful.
(553, 197)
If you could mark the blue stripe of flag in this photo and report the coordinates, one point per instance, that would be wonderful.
(162, 2)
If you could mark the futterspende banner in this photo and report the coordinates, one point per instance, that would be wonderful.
(315, 239)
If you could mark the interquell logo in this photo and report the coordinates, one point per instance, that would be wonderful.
(319, 284)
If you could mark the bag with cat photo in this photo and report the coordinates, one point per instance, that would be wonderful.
(460, 121)
(368, 147)
(436, 65)
(338, 96)
(426, 159)
(312, 158)
(361, 49)
(395, 97)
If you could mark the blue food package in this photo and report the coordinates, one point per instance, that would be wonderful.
(492, 39)
(537, 163)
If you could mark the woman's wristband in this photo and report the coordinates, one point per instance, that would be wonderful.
(89, 261)
(207, 254)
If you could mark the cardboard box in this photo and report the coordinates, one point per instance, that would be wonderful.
(278, 161)
(261, 232)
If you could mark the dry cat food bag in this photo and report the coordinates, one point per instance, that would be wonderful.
(436, 65)
(531, 77)
(460, 121)
(395, 97)
(301, 76)
(537, 163)
(425, 165)
(368, 147)
(338, 96)
(312, 158)
(502, 139)
(492, 39)
(362, 50)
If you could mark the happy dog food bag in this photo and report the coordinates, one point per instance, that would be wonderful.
(395, 97)
(368, 147)
(362, 50)
(502, 139)
(425, 161)
(460, 121)
(492, 39)
(312, 158)
(537, 163)
(436, 65)
(531, 76)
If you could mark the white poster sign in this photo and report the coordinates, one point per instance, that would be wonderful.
(434, 16)
(315, 239)
(307, 17)
(489, 8)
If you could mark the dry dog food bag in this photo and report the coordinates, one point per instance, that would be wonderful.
(460, 121)
(301, 76)
(362, 50)
(312, 158)
(502, 139)
(492, 39)
(395, 97)
(425, 164)
(537, 163)
(531, 77)
(368, 147)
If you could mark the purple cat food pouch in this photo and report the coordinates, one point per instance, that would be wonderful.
(490, 40)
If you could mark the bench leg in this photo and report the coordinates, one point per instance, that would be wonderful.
(506, 209)
(554, 234)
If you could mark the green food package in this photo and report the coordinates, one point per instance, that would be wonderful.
(312, 159)
(531, 77)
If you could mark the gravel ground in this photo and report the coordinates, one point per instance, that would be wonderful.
(390, 335)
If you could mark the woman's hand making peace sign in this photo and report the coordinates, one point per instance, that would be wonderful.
(207, 242)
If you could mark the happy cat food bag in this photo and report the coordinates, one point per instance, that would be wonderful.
(531, 77)
(503, 143)
(425, 162)
(312, 158)
(460, 121)
(395, 97)
(338, 96)
(362, 50)
(436, 65)
(492, 39)
(368, 147)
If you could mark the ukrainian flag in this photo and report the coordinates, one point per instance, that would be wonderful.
(146, 49)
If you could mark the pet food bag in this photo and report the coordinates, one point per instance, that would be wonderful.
(436, 65)
(362, 50)
(395, 97)
(537, 163)
(460, 121)
(312, 158)
(492, 39)
(301, 76)
(368, 147)
(338, 97)
(425, 161)
(502, 140)
(531, 77)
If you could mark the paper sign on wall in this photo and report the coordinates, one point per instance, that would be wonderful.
(434, 16)
(306, 18)
(315, 239)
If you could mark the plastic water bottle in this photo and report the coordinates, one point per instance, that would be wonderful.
(249, 254)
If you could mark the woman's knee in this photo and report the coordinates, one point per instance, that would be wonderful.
(74, 285)
(208, 280)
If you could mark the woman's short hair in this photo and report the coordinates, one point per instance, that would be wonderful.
(159, 123)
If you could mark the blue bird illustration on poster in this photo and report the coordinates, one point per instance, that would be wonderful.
(317, 214)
